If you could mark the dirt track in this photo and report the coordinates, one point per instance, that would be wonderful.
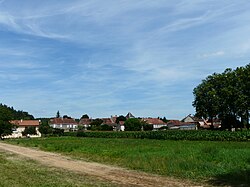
(112, 174)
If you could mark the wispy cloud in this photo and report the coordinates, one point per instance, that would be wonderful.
(108, 57)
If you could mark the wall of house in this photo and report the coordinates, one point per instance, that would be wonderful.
(18, 133)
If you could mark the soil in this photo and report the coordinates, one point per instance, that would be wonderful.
(115, 175)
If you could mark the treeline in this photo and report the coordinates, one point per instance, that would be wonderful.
(225, 96)
(15, 114)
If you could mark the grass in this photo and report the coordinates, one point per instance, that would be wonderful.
(217, 163)
(19, 172)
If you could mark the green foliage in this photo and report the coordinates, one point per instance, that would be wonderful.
(148, 127)
(57, 132)
(16, 114)
(44, 128)
(225, 95)
(173, 135)
(85, 116)
(29, 130)
(5, 125)
(133, 124)
(103, 127)
(120, 118)
(96, 122)
(106, 127)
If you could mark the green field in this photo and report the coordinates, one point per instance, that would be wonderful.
(19, 172)
(216, 163)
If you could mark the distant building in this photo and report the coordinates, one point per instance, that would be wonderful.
(129, 115)
(157, 123)
(21, 125)
(67, 124)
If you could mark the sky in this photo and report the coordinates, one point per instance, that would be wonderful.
(112, 57)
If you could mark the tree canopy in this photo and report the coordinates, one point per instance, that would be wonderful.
(85, 116)
(16, 114)
(225, 96)
(133, 124)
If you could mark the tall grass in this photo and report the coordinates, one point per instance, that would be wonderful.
(196, 160)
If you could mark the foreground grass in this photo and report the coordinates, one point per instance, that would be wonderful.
(19, 172)
(217, 163)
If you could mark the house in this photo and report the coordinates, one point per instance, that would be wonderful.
(195, 120)
(21, 125)
(85, 122)
(180, 125)
(120, 126)
(67, 124)
(208, 124)
(157, 123)
(110, 122)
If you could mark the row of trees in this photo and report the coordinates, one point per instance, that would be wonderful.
(225, 96)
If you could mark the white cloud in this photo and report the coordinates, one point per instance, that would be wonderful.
(213, 54)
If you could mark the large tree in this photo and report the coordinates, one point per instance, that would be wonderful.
(224, 95)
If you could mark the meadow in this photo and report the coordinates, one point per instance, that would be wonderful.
(211, 162)
(20, 172)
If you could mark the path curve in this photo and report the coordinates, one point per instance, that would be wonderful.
(112, 174)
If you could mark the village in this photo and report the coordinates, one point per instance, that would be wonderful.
(114, 123)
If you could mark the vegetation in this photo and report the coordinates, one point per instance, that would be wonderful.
(133, 124)
(20, 172)
(120, 118)
(44, 127)
(225, 96)
(170, 135)
(5, 125)
(6, 115)
(29, 130)
(16, 114)
(85, 116)
(216, 163)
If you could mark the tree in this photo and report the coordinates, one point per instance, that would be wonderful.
(133, 124)
(96, 122)
(120, 118)
(67, 117)
(58, 114)
(225, 96)
(85, 116)
(44, 128)
(148, 127)
(5, 125)
(29, 130)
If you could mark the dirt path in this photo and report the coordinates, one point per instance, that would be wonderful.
(112, 174)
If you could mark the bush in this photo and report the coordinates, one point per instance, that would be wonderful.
(133, 124)
(29, 130)
(173, 135)
(147, 127)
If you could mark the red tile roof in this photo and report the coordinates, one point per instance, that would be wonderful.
(25, 123)
(63, 121)
(85, 121)
(154, 121)
(107, 121)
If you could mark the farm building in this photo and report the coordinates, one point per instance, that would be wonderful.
(21, 125)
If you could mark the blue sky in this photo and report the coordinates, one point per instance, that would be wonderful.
(114, 56)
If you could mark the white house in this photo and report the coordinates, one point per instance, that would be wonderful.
(21, 125)
(67, 124)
